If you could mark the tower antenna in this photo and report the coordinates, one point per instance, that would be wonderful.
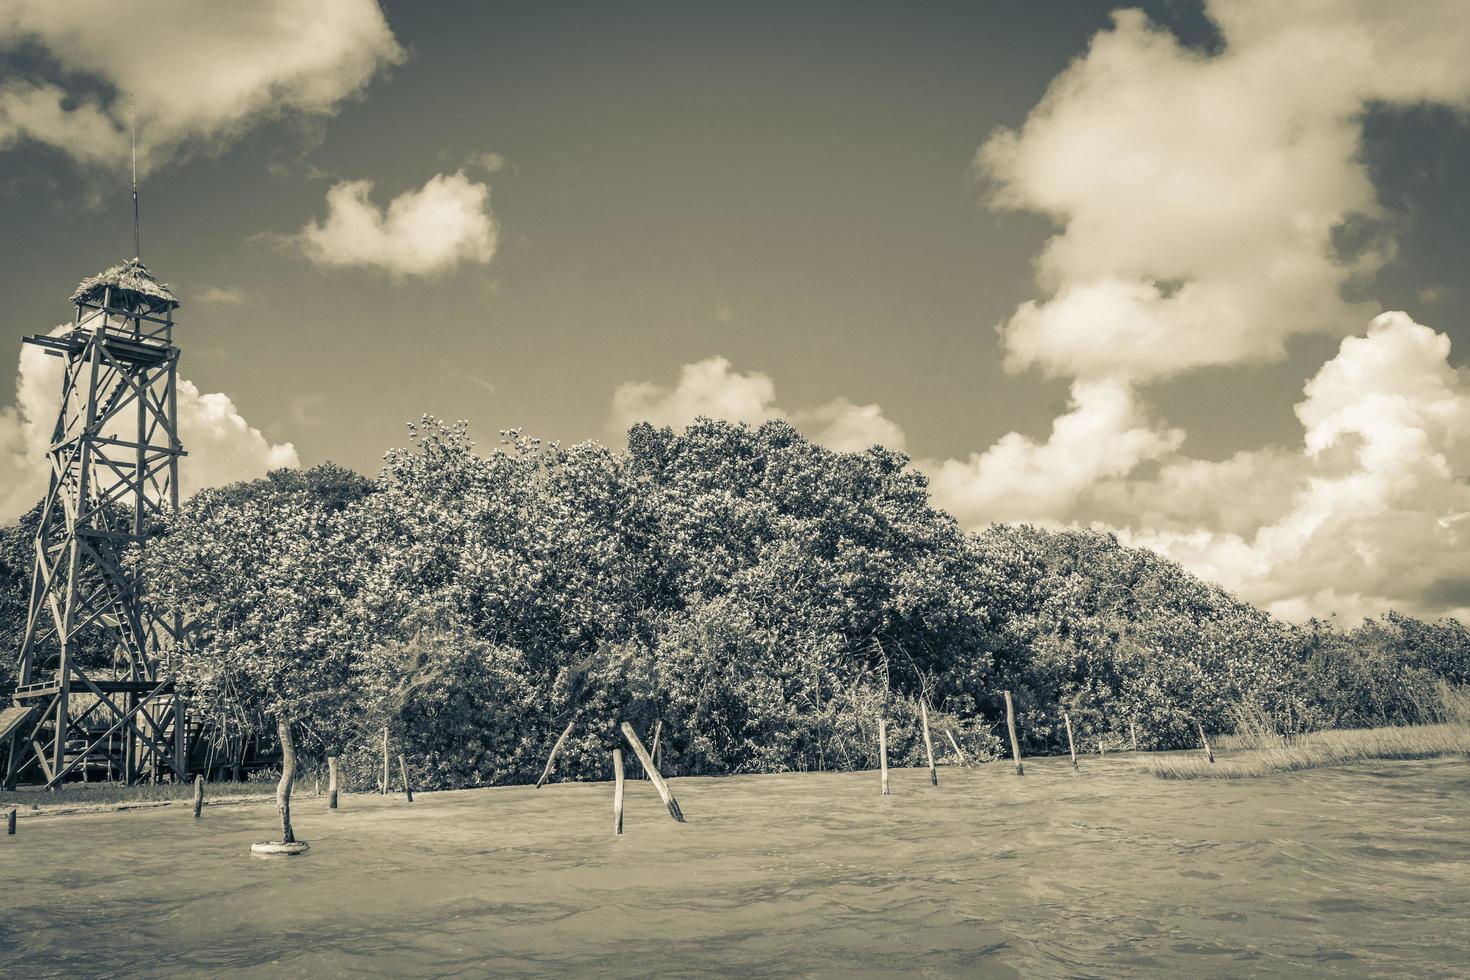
(133, 114)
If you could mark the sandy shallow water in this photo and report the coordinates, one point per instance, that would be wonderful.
(1352, 872)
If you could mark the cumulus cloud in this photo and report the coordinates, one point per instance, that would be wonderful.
(1105, 433)
(1197, 195)
(198, 71)
(1200, 200)
(222, 446)
(714, 389)
(421, 232)
(1372, 512)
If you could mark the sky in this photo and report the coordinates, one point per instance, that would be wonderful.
(1191, 272)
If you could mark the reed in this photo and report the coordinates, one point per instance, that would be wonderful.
(1319, 750)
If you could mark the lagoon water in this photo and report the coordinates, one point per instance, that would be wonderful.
(1107, 872)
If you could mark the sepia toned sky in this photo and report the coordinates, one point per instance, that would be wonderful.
(1085, 266)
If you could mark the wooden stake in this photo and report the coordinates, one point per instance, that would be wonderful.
(403, 771)
(1011, 727)
(10, 822)
(653, 773)
(1133, 736)
(658, 730)
(551, 759)
(385, 760)
(1204, 740)
(957, 750)
(617, 792)
(331, 782)
(883, 751)
(198, 795)
(1071, 746)
(928, 744)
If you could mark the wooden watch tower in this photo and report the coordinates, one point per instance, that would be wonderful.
(114, 469)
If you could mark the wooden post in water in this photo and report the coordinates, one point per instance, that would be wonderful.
(385, 760)
(1133, 735)
(883, 751)
(403, 771)
(198, 795)
(653, 773)
(1204, 740)
(928, 744)
(10, 822)
(331, 782)
(658, 731)
(1071, 746)
(1011, 727)
(957, 750)
(617, 792)
(551, 759)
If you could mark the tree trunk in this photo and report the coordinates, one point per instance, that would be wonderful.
(288, 776)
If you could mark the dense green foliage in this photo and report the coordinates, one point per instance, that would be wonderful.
(764, 598)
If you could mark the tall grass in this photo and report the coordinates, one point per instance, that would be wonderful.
(1265, 751)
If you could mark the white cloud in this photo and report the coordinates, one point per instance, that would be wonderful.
(222, 446)
(1197, 194)
(421, 232)
(1105, 433)
(199, 71)
(1377, 501)
(711, 388)
(1196, 197)
(222, 295)
(850, 428)
(714, 389)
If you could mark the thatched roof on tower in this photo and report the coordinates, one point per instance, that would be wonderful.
(132, 285)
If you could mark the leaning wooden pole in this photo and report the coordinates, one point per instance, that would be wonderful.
(658, 731)
(617, 792)
(331, 782)
(653, 773)
(883, 751)
(1011, 727)
(551, 759)
(1205, 741)
(1071, 746)
(198, 796)
(928, 744)
(959, 752)
(403, 771)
